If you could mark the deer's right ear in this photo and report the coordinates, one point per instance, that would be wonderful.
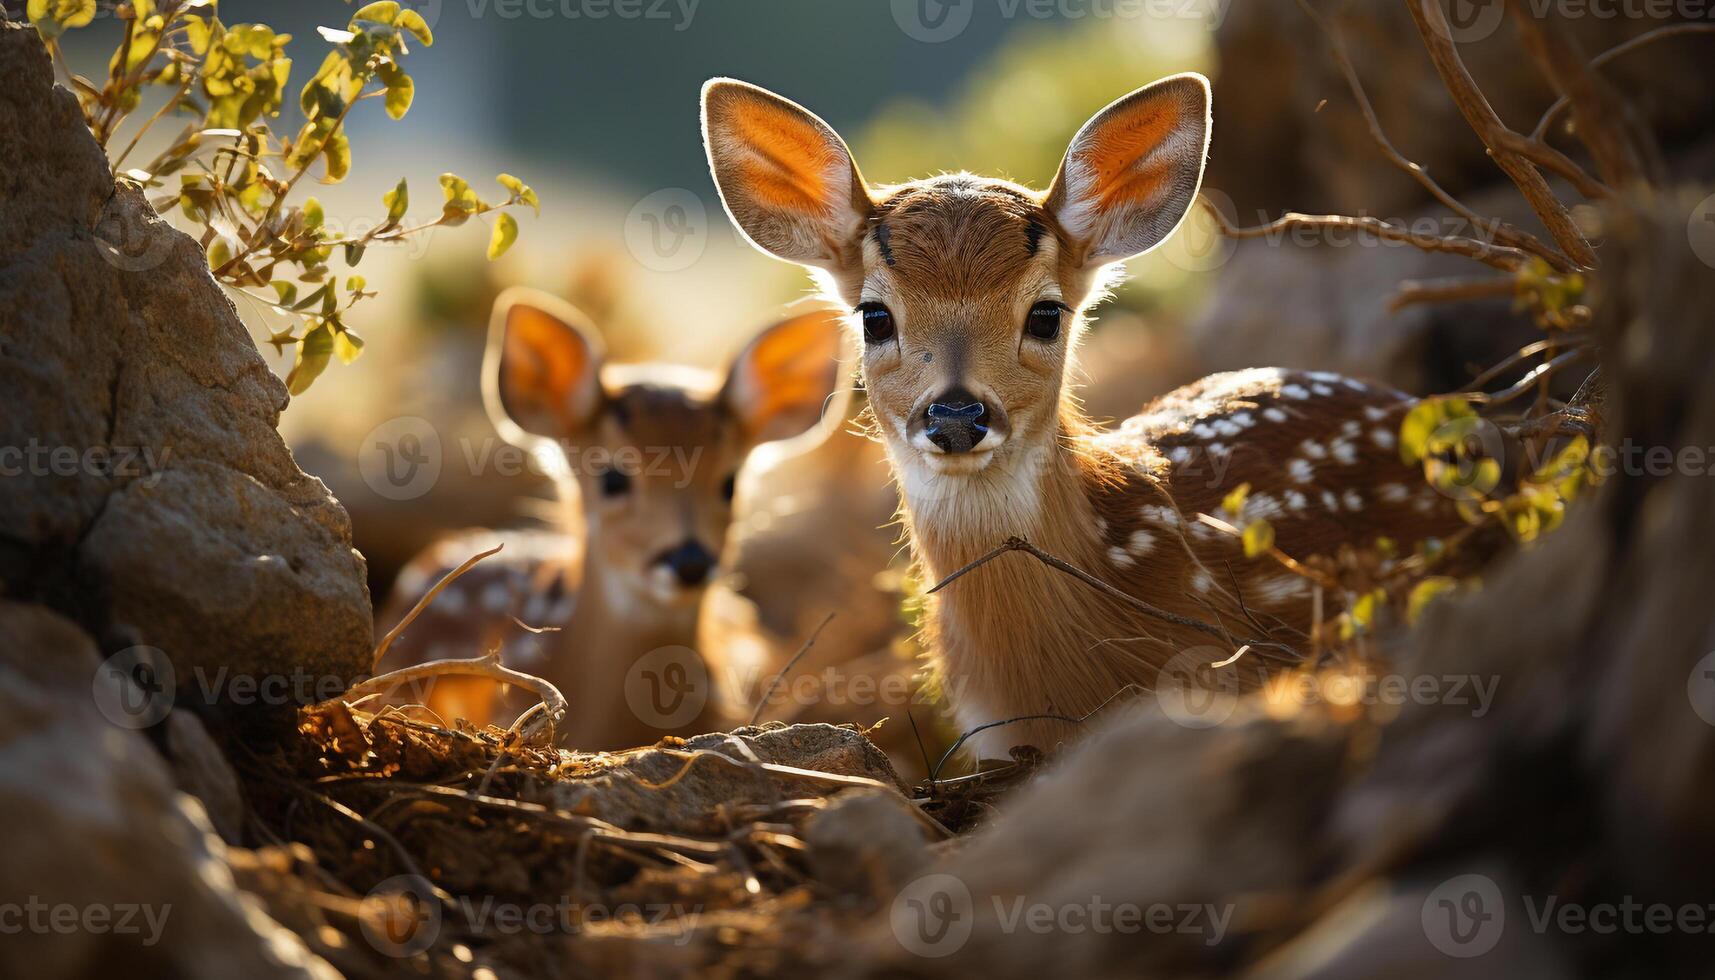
(785, 176)
(541, 375)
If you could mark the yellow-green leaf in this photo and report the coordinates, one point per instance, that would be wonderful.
(347, 346)
(397, 201)
(505, 233)
(1234, 502)
(52, 17)
(313, 353)
(520, 191)
(458, 193)
(1425, 592)
(400, 88)
(1258, 538)
(337, 152)
(1365, 609)
(410, 20)
(313, 216)
(381, 12)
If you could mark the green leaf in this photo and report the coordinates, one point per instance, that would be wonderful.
(52, 17)
(1365, 609)
(286, 291)
(337, 152)
(520, 191)
(353, 253)
(347, 346)
(313, 215)
(400, 88)
(1258, 538)
(313, 354)
(1424, 592)
(355, 283)
(381, 12)
(458, 194)
(505, 233)
(410, 20)
(397, 201)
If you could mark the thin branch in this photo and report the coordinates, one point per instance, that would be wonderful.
(1503, 257)
(1504, 233)
(1603, 120)
(781, 676)
(1412, 292)
(488, 666)
(1553, 160)
(1437, 38)
(1560, 105)
(423, 603)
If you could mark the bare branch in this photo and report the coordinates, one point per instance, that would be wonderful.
(1437, 38)
(1551, 159)
(1560, 105)
(423, 603)
(1412, 293)
(1501, 257)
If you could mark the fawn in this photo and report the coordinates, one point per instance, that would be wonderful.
(970, 295)
(652, 452)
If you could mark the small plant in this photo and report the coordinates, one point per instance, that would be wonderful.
(235, 175)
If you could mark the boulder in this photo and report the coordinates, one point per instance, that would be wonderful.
(144, 491)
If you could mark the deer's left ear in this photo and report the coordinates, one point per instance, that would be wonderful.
(1132, 172)
(782, 384)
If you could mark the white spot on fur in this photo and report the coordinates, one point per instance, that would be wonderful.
(1354, 502)
(1300, 470)
(1227, 427)
(1160, 514)
(1424, 505)
(1261, 505)
(1180, 455)
(1313, 449)
(1382, 438)
(1277, 589)
(1120, 557)
(1295, 392)
(1344, 451)
(1322, 390)
(1327, 376)
(1330, 501)
(1374, 413)
(1243, 420)
(1393, 493)
(1274, 415)
(1354, 384)
(1296, 500)
(1350, 429)
(1201, 581)
(1141, 542)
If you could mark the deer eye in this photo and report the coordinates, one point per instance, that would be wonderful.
(728, 486)
(614, 483)
(877, 323)
(1043, 322)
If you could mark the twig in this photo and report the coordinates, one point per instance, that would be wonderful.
(1412, 292)
(1540, 133)
(410, 617)
(781, 675)
(1437, 38)
(488, 666)
(1556, 162)
(1504, 233)
(1086, 716)
(1603, 121)
(1503, 257)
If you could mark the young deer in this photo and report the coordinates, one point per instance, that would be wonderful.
(652, 452)
(970, 293)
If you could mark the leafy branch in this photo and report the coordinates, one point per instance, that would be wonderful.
(235, 175)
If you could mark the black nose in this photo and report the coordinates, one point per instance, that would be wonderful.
(691, 563)
(956, 421)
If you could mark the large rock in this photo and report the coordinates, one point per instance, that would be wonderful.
(143, 488)
(119, 873)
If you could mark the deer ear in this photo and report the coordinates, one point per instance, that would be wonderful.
(1132, 172)
(783, 383)
(785, 177)
(542, 371)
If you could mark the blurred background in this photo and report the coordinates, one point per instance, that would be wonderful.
(594, 103)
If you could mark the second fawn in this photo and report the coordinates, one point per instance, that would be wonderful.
(651, 455)
(970, 295)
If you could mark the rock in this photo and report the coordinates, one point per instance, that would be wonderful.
(146, 491)
(867, 843)
(661, 789)
(120, 873)
(201, 769)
